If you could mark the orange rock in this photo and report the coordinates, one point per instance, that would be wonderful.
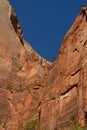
(21, 71)
(56, 93)
(67, 81)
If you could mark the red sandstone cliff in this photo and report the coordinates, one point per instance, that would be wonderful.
(29, 85)
(21, 71)
(65, 98)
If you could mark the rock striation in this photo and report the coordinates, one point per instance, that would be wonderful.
(65, 95)
(55, 93)
(21, 71)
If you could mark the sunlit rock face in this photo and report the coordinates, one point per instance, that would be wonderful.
(21, 72)
(55, 93)
(66, 100)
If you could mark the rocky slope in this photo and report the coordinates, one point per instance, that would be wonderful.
(56, 94)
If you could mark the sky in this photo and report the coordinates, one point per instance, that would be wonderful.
(45, 22)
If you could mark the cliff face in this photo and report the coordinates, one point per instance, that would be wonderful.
(29, 85)
(66, 100)
(21, 71)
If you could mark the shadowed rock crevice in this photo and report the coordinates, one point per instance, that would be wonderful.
(84, 11)
(78, 71)
(70, 88)
(85, 43)
(16, 25)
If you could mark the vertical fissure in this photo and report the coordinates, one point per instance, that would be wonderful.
(86, 119)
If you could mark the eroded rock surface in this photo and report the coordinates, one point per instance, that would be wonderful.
(29, 85)
(65, 99)
(21, 72)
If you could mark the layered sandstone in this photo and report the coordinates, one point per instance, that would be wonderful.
(21, 71)
(66, 100)
(29, 85)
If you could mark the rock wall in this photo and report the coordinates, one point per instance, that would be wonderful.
(21, 72)
(55, 93)
(65, 102)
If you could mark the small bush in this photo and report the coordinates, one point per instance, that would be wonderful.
(30, 124)
(73, 115)
(78, 127)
